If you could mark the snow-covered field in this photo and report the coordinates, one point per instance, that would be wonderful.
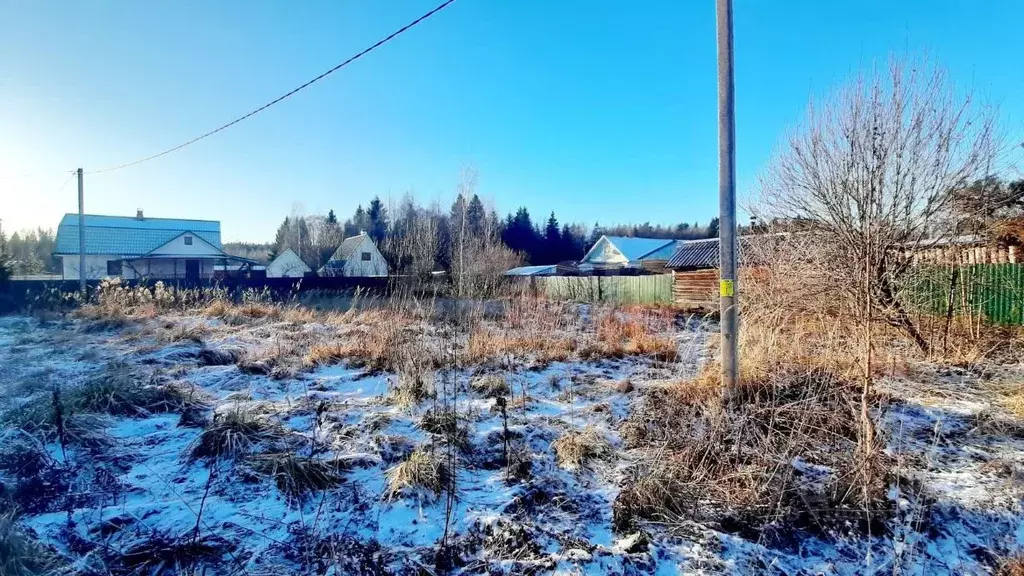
(139, 500)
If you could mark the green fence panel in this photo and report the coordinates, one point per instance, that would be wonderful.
(996, 291)
(653, 289)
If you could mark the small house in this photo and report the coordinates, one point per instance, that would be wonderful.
(287, 265)
(357, 256)
(620, 253)
(142, 248)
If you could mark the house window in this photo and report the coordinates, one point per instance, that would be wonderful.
(366, 256)
(113, 267)
(188, 240)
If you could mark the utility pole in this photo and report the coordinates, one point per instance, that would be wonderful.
(81, 234)
(728, 290)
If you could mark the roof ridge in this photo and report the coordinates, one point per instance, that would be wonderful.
(137, 219)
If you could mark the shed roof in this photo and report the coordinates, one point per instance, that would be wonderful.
(695, 254)
(127, 236)
(546, 270)
(639, 248)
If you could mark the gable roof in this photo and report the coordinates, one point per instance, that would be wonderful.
(290, 258)
(128, 236)
(638, 248)
(348, 248)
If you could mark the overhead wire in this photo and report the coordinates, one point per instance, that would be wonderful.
(284, 96)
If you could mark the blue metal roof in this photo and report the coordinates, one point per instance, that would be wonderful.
(127, 236)
(642, 248)
(548, 270)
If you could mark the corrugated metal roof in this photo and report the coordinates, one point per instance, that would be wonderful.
(639, 248)
(127, 236)
(533, 270)
(695, 254)
(704, 253)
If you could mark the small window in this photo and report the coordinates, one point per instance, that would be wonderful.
(366, 256)
(188, 240)
(113, 267)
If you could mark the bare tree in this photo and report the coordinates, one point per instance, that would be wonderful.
(871, 177)
(874, 171)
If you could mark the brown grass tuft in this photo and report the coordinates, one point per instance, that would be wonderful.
(576, 449)
(236, 432)
(297, 476)
(422, 474)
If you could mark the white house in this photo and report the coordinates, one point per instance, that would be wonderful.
(357, 256)
(287, 265)
(142, 248)
(620, 252)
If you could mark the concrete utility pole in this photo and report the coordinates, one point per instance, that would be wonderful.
(81, 234)
(728, 290)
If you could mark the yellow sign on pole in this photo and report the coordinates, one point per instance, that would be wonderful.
(727, 288)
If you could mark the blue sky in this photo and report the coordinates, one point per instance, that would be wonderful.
(601, 111)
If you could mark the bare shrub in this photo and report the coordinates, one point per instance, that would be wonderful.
(872, 175)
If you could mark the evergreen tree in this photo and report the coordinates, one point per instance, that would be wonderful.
(377, 220)
(476, 216)
(331, 218)
(713, 228)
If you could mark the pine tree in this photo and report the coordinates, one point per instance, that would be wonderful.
(377, 220)
(476, 216)
(713, 228)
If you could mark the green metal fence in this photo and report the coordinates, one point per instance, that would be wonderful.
(993, 291)
(651, 289)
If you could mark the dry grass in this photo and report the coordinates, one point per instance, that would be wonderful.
(1011, 566)
(422, 474)
(576, 449)
(713, 462)
(445, 424)
(118, 391)
(297, 476)
(21, 555)
(236, 432)
(413, 383)
(491, 386)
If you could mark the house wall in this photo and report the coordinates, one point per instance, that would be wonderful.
(164, 268)
(177, 247)
(95, 266)
(604, 255)
(375, 266)
(696, 288)
(287, 265)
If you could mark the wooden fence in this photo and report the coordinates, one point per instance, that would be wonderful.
(648, 289)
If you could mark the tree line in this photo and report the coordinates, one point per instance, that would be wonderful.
(440, 230)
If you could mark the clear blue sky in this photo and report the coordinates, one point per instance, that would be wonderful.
(601, 111)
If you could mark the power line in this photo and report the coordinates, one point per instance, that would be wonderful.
(288, 94)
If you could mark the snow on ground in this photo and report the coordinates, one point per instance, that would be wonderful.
(962, 511)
